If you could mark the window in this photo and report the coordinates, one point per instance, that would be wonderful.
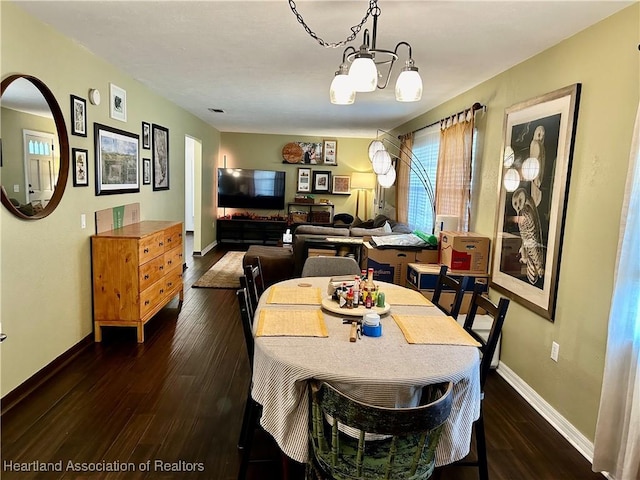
(426, 144)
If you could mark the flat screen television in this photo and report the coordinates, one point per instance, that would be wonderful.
(244, 188)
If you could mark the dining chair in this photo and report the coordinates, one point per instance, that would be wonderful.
(244, 285)
(254, 284)
(447, 283)
(404, 446)
(487, 348)
(330, 266)
(252, 410)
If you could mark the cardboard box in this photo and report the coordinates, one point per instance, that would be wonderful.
(321, 252)
(425, 276)
(390, 264)
(464, 252)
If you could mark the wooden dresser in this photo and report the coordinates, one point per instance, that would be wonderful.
(137, 270)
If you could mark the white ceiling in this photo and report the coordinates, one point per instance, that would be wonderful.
(255, 61)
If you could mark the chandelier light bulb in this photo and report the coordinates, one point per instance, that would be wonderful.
(341, 91)
(387, 179)
(374, 146)
(381, 162)
(409, 84)
(511, 180)
(363, 71)
(530, 168)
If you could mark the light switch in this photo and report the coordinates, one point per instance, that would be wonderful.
(83, 220)
(16, 188)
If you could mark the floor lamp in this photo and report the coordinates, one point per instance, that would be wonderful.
(362, 181)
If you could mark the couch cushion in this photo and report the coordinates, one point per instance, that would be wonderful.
(320, 230)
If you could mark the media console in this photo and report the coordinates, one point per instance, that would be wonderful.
(250, 231)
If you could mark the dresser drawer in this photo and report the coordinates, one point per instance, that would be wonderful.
(173, 258)
(151, 272)
(151, 296)
(173, 237)
(150, 247)
(173, 281)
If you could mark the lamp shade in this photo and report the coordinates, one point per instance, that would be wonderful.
(511, 180)
(530, 168)
(409, 85)
(362, 180)
(363, 73)
(387, 179)
(381, 162)
(374, 146)
(509, 156)
(341, 91)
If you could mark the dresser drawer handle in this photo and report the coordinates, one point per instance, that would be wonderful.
(146, 250)
(146, 277)
(161, 267)
(162, 290)
(169, 284)
(161, 244)
(146, 302)
(170, 262)
(169, 240)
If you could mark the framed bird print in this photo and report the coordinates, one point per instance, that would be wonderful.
(535, 165)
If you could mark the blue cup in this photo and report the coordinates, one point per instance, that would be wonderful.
(371, 330)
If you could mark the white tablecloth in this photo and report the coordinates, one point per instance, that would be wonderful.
(385, 371)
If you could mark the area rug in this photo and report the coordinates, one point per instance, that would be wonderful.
(224, 273)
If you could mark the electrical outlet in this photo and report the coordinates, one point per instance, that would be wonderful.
(555, 349)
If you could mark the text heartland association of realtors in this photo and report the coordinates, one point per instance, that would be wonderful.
(103, 466)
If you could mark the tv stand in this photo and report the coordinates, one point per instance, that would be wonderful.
(250, 231)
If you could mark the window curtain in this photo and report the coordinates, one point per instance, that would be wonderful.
(403, 170)
(617, 442)
(453, 180)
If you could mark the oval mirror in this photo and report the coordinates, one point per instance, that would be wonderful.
(34, 148)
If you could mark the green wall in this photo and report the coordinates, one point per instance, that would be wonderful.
(604, 58)
(45, 264)
(261, 151)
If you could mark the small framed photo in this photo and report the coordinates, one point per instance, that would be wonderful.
(160, 174)
(146, 171)
(321, 182)
(80, 158)
(329, 152)
(146, 135)
(78, 116)
(341, 185)
(304, 180)
(117, 103)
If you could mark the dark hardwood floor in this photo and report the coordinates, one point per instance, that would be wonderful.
(178, 400)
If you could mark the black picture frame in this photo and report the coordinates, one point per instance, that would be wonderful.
(321, 182)
(146, 171)
(146, 135)
(117, 160)
(80, 167)
(160, 154)
(78, 116)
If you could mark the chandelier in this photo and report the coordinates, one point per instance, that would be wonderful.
(360, 70)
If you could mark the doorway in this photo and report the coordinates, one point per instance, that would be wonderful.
(193, 195)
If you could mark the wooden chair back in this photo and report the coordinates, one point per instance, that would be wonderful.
(406, 450)
(254, 284)
(445, 282)
(497, 313)
(247, 321)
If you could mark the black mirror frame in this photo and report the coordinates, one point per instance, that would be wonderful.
(63, 140)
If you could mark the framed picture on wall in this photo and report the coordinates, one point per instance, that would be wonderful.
(146, 171)
(160, 140)
(329, 152)
(117, 103)
(116, 153)
(78, 116)
(80, 159)
(304, 180)
(538, 145)
(341, 185)
(321, 182)
(146, 136)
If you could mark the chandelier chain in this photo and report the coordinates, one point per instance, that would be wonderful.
(373, 6)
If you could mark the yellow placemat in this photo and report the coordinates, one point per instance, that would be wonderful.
(295, 295)
(439, 330)
(291, 323)
(405, 296)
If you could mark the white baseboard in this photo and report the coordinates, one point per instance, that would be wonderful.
(207, 249)
(557, 421)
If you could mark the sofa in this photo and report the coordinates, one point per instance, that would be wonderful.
(379, 226)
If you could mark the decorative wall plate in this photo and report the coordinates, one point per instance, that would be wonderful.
(292, 153)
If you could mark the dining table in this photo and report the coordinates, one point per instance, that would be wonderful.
(298, 339)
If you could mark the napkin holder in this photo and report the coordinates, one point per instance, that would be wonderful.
(337, 282)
